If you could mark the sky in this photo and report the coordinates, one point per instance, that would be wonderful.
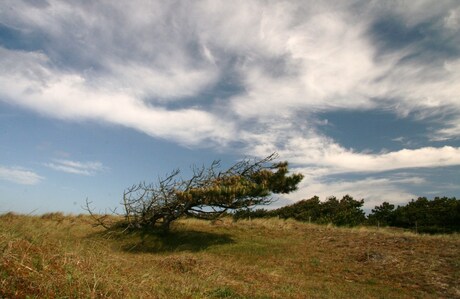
(362, 97)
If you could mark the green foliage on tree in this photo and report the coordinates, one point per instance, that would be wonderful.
(382, 215)
(304, 210)
(440, 215)
(348, 212)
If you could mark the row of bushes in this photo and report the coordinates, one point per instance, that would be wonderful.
(439, 215)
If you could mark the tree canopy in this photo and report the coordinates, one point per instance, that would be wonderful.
(346, 211)
(439, 215)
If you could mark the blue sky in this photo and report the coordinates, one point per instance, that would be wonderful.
(362, 97)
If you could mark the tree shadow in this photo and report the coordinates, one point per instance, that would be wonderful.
(175, 241)
(155, 241)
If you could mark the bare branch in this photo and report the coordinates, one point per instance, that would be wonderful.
(100, 221)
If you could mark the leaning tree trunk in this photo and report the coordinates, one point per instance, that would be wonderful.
(166, 225)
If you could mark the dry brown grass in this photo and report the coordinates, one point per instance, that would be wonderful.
(58, 256)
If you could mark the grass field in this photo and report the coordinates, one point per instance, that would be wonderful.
(57, 256)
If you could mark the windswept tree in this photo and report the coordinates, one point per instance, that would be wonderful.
(208, 193)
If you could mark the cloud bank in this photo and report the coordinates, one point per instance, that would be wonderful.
(240, 75)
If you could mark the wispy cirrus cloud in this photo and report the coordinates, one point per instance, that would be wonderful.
(250, 73)
(19, 175)
(150, 68)
(75, 167)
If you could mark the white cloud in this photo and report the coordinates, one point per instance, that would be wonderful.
(452, 21)
(75, 167)
(406, 158)
(19, 175)
(69, 96)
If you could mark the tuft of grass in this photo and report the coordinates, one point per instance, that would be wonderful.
(223, 292)
(64, 256)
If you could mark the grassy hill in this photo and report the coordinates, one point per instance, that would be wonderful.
(56, 256)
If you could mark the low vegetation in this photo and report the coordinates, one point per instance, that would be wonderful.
(58, 256)
(440, 215)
